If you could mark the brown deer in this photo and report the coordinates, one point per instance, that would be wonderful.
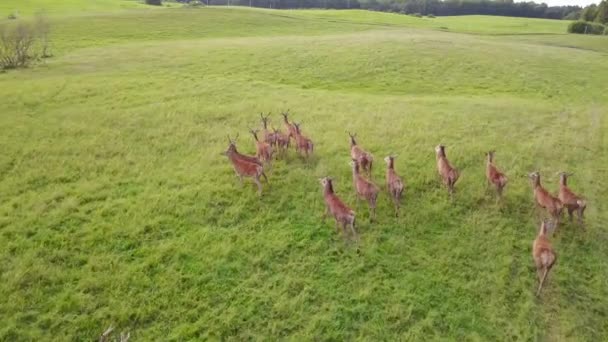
(449, 175)
(363, 158)
(569, 199)
(343, 215)
(543, 254)
(269, 137)
(263, 149)
(544, 199)
(493, 175)
(303, 144)
(245, 167)
(281, 141)
(291, 128)
(365, 189)
(394, 183)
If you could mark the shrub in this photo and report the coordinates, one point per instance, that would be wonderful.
(24, 41)
(417, 15)
(584, 27)
(154, 2)
(12, 16)
(430, 15)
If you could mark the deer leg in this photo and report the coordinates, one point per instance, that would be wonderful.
(570, 210)
(240, 179)
(326, 212)
(372, 208)
(259, 184)
(396, 201)
(337, 227)
(581, 211)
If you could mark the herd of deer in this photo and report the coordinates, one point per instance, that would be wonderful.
(365, 189)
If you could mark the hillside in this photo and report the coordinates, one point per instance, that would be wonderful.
(118, 209)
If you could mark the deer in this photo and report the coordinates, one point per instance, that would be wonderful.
(544, 199)
(543, 254)
(263, 149)
(343, 215)
(291, 128)
(363, 158)
(493, 175)
(365, 189)
(449, 175)
(569, 199)
(394, 183)
(269, 137)
(303, 144)
(281, 141)
(245, 166)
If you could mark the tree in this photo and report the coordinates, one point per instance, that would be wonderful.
(154, 2)
(602, 13)
(589, 13)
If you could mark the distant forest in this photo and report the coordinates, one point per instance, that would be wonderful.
(423, 7)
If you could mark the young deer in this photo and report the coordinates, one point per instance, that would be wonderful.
(343, 215)
(543, 254)
(291, 128)
(269, 137)
(494, 176)
(365, 189)
(394, 183)
(263, 149)
(281, 141)
(544, 199)
(245, 167)
(449, 175)
(569, 199)
(363, 158)
(303, 144)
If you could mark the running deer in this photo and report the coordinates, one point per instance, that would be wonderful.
(291, 128)
(363, 158)
(544, 199)
(543, 254)
(303, 144)
(263, 149)
(569, 199)
(493, 175)
(245, 166)
(269, 137)
(394, 183)
(449, 175)
(343, 215)
(365, 189)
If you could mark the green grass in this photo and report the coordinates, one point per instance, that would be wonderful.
(54, 7)
(116, 207)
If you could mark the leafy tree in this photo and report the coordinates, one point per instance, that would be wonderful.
(602, 13)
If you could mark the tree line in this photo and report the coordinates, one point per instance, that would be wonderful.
(422, 7)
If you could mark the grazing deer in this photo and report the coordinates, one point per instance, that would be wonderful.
(494, 176)
(269, 137)
(281, 141)
(263, 149)
(543, 254)
(363, 158)
(449, 175)
(245, 167)
(291, 128)
(569, 199)
(394, 183)
(303, 144)
(343, 215)
(365, 189)
(544, 199)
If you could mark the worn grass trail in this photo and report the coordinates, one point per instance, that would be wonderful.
(116, 207)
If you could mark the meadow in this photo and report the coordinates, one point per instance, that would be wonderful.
(118, 209)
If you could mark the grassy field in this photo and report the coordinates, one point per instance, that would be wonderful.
(117, 209)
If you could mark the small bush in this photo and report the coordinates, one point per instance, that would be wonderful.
(12, 16)
(23, 42)
(431, 15)
(417, 15)
(584, 27)
(154, 2)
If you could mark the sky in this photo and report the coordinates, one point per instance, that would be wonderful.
(581, 3)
